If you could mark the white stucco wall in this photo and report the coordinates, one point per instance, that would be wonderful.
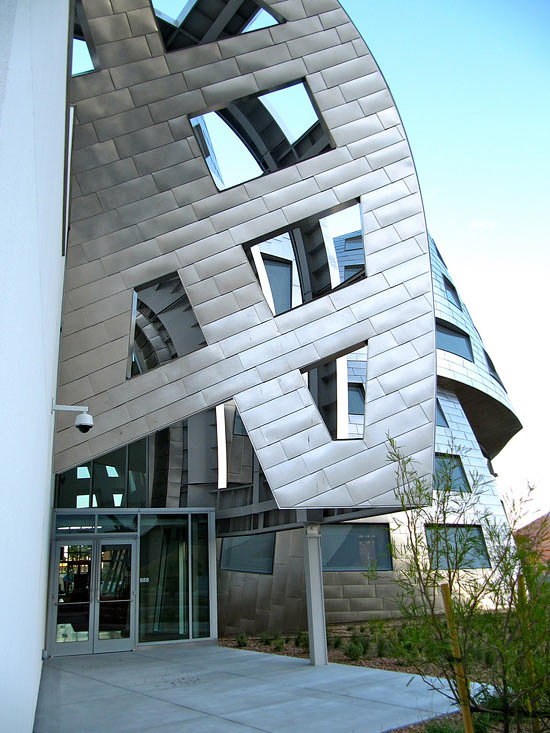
(33, 49)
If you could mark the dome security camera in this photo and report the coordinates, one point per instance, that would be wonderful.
(84, 422)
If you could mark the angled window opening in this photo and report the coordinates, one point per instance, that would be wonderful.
(334, 394)
(183, 24)
(453, 340)
(450, 474)
(440, 419)
(492, 371)
(457, 547)
(238, 425)
(356, 547)
(451, 293)
(311, 257)
(163, 327)
(83, 57)
(260, 134)
(249, 553)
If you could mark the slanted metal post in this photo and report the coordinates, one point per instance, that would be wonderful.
(313, 569)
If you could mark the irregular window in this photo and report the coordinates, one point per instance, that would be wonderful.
(453, 340)
(492, 371)
(164, 325)
(452, 546)
(440, 419)
(356, 546)
(260, 134)
(184, 24)
(238, 425)
(356, 399)
(449, 473)
(450, 292)
(83, 51)
(249, 554)
(313, 258)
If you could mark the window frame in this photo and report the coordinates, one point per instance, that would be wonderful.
(458, 527)
(384, 529)
(441, 471)
(445, 329)
(243, 569)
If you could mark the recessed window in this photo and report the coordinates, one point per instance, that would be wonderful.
(82, 46)
(492, 371)
(238, 425)
(356, 547)
(249, 553)
(450, 292)
(356, 399)
(260, 134)
(453, 340)
(351, 271)
(353, 242)
(453, 546)
(279, 274)
(440, 419)
(449, 473)
(183, 24)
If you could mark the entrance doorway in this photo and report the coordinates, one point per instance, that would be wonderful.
(94, 595)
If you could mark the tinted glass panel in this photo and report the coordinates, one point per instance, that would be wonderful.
(457, 546)
(454, 341)
(71, 523)
(450, 473)
(163, 587)
(440, 418)
(279, 274)
(356, 547)
(109, 479)
(73, 593)
(200, 576)
(73, 487)
(117, 522)
(351, 270)
(356, 399)
(137, 473)
(248, 554)
(451, 293)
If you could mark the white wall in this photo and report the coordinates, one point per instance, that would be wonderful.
(33, 48)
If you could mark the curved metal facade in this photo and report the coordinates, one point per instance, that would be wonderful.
(144, 205)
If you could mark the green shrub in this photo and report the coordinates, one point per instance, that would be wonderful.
(381, 646)
(242, 640)
(337, 642)
(302, 640)
(353, 651)
(278, 645)
(442, 725)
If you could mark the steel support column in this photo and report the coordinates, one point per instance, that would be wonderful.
(313, 570)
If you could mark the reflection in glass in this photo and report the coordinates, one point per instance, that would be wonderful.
(358, 546)
(114, 620)
(73, 593)
(249, 554)
(109, 478)
(73, 487)
(114, 591)
(117, 523)
(71, 523)
(163, 586)
(199, 576)
(137, 473)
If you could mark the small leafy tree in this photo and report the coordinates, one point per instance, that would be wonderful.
(500, 597)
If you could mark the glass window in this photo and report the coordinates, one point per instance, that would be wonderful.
(355, 242)
(163, 578)
(71, 523)
(492, 371)
(356, 547)
(137, 473)
(249, 554)
(450, 292)
(440, 418)
(260, 134)
(449, 472)
(200, 578)
(453, 340)
(73, 487)
(238, 425)
(352, 270)
(117, 522)
(279, 274)
(109, 479)
(82, 60)
(456, 546)
(356, 399)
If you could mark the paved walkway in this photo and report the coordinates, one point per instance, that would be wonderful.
(179, 687)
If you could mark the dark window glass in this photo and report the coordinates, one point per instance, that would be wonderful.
(109, 479)
(351, 270)
(450, 473)
(71, 523)
(450, 292)
(248, 554)
(356, 547)
(200, 589)
(356, 399)
(279, 274)
(353, 243)
(491, 367)
(440, 418)
(73, 487)
(454, 341)
(137, 473)
(456, 546)
(238, 425)
(117, 522)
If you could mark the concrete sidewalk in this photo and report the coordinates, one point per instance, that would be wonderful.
(198, 688)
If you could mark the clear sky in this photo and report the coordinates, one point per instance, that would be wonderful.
(472, 83)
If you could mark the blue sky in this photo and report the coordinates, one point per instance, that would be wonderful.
(472, 83)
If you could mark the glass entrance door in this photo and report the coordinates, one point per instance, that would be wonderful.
(94, 596)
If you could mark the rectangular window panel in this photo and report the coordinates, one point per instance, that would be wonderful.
(449, 472)
(450, 292)
(456, 547)
(249, 554)
(356, 547)
(279, 274)
(454, 341)
(200, 582)
(356, 399)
